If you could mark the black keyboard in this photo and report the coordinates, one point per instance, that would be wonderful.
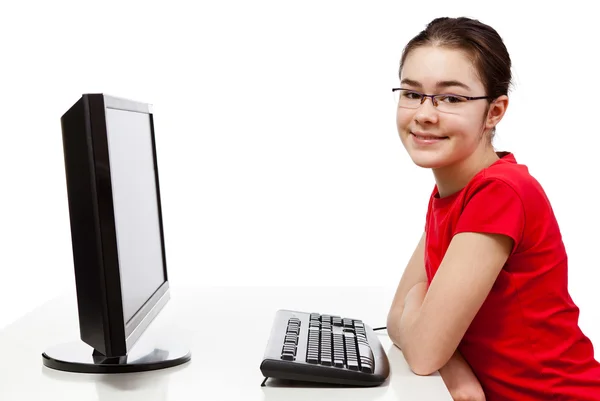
(324, 348)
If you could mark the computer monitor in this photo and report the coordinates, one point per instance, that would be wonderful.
(117, 237)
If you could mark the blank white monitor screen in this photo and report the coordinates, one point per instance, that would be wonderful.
(135, 203)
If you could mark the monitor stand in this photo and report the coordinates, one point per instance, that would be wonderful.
(79, 357)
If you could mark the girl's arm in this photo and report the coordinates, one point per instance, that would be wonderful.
(435, 319)
(457, 374)
(460, 380)
(414, 273)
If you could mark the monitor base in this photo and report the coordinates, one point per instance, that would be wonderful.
(79, 357)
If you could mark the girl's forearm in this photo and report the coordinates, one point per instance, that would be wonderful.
(456, 373)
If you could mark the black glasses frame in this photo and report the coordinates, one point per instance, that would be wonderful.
(433, 101)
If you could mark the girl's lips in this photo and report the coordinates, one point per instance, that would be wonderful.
(426, 139)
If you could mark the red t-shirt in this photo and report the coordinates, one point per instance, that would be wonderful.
(524, 343)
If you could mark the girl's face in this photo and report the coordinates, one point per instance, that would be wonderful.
(437, 137)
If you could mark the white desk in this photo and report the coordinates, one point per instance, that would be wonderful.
(209, 320)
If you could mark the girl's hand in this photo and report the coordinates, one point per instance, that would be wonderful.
(460, 380)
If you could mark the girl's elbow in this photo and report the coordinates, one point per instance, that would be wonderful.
(423, 369)
(422, 362)
(392, 324)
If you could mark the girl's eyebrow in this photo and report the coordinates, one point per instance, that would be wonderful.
(440, 84)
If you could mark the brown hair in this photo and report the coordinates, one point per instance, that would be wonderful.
(480, 41)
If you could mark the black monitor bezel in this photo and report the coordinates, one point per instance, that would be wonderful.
(98, 277)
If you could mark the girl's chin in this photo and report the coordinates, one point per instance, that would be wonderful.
(428, 159)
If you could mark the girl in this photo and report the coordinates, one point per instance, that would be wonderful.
(484, 297)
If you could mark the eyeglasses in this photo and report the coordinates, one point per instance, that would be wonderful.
(446, 102)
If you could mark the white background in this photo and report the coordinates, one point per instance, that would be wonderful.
(278, 154)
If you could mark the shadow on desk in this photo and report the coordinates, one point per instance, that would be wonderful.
(150, 386)
(277, 390)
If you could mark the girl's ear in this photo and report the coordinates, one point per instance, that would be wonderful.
(496, 111)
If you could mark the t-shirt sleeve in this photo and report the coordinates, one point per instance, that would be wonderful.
(428, 212)
(493, 207)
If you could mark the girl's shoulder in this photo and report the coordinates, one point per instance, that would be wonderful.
(511, 177)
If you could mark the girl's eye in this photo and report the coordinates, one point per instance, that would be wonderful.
(451, 99)
(412, 95)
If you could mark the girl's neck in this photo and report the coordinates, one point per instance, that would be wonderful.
(453, 178)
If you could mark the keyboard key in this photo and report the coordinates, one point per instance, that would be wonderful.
(365, 351)
(350, 349)
(290, 342)
(361, 339)
(353, 364)
(366, 366)
(366, 359)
